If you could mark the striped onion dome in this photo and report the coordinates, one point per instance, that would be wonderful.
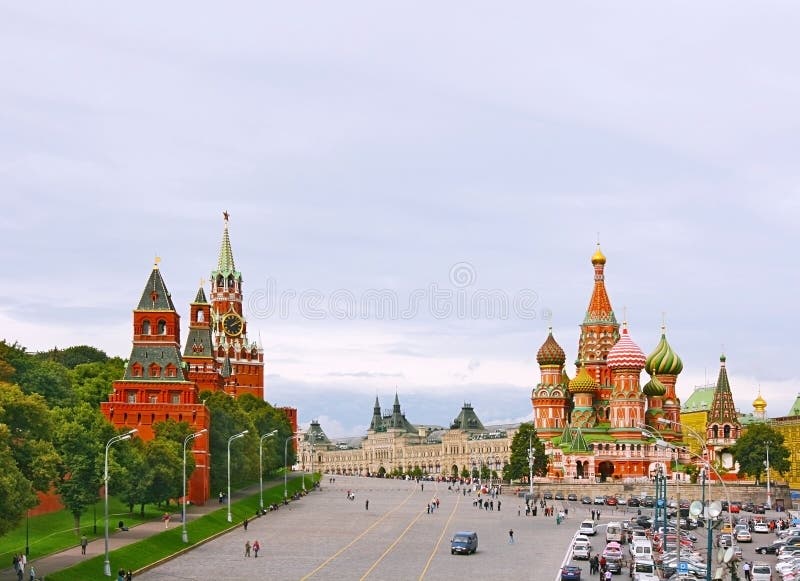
(582, 382)
(654, 387)
(550, 353)
(625, 354)
(663, 360)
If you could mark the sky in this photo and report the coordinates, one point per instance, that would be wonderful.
(415, 189)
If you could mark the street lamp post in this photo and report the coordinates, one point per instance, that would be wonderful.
(126, 436)
(260, 467)
(184, 532)
(769, 493)
(285, 461)
(231, 439)
(313, 436)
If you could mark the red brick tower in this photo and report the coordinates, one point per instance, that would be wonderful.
(241, 361)
(155, 387)
(599, 333)
(550, 398)
(201, 365)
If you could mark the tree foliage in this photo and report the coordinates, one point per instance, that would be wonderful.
(16, 491)
(518, 465)
(750, 451)
(71, 357)
(92, 382)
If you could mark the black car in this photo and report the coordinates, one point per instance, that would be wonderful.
(748, 507)
(770, 549)
(644, 522)
(633, 501)
(548, 496)
(559, 496)
(572, 496)
(614, 565)
(649, 502)
(586, 500)
(758, 509)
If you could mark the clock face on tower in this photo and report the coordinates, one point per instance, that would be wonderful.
(232, 324)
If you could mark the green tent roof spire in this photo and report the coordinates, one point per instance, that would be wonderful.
(225, 263)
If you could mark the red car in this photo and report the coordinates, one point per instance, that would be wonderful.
(611, 501)
(735, 508)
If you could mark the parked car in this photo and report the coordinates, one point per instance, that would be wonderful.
(735, 507)
(571, 573)
(743, 536)
(586, 500)
(759, 509)
(548, 495)
(760, 527)
(581, 550)
(633, 501)
(599, 499)
(770, 549)
(622, 501)
(611, 500)
(761, 571)
(559, 496)
(572, 496)
(649, 501)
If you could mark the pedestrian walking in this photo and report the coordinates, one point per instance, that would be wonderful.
(746, 569)
(247, 548)
(129, 575)
(510, 536)
(245, 522)
(498, 505)
(84, 542)
(366, 504)
(256, 548)
(121, 575)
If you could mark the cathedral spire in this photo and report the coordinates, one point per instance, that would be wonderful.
(225, 264)
(723, 410)
(599, 310)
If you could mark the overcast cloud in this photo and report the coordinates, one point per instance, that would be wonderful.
(368, 150)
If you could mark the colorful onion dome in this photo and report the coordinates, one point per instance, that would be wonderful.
(625, 354)
(598, 257)
(663, 360)
(550, 353)
(654, 388)
(582, 382)
(759, 404)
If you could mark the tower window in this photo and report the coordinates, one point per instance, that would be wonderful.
(162, 327)
(130, 397)
(155, 371)
(145, 327)
(201, 316)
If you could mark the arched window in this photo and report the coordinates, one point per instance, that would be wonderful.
(145, 327)
(726, 431)
(162, 327)
(220, 280)
(200, 316)
(715, 431)
(230, 282)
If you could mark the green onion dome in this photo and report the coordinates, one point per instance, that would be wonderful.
(654, 387)
(582, 382)
(663, 360)
(550, 353)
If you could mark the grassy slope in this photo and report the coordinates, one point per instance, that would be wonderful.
(166, 544)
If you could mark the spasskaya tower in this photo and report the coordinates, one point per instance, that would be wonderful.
(240, 360)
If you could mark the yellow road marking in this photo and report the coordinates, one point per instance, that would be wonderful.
(439, 542)
(390, 547)
(355, 540)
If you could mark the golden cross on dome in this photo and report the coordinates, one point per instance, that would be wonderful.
(156, 261)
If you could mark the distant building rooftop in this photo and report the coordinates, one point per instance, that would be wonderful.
(700, 400)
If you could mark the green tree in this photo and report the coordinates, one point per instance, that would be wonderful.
(228, 419)
(74, 356)
(16, 491)
(518, 465)
(92, 382)
(165, 463)
(31, 422)
(80, 437)
(750, 451)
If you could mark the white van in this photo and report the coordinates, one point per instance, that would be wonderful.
(614, 532)
(761, 572)
(588, 527)
(641, 550)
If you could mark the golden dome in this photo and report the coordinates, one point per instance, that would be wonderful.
(759, 404)
(598, 257)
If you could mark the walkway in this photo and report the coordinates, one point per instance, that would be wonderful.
(69, 557)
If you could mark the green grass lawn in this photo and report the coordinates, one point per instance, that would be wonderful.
(53, 532)
(163, 545)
